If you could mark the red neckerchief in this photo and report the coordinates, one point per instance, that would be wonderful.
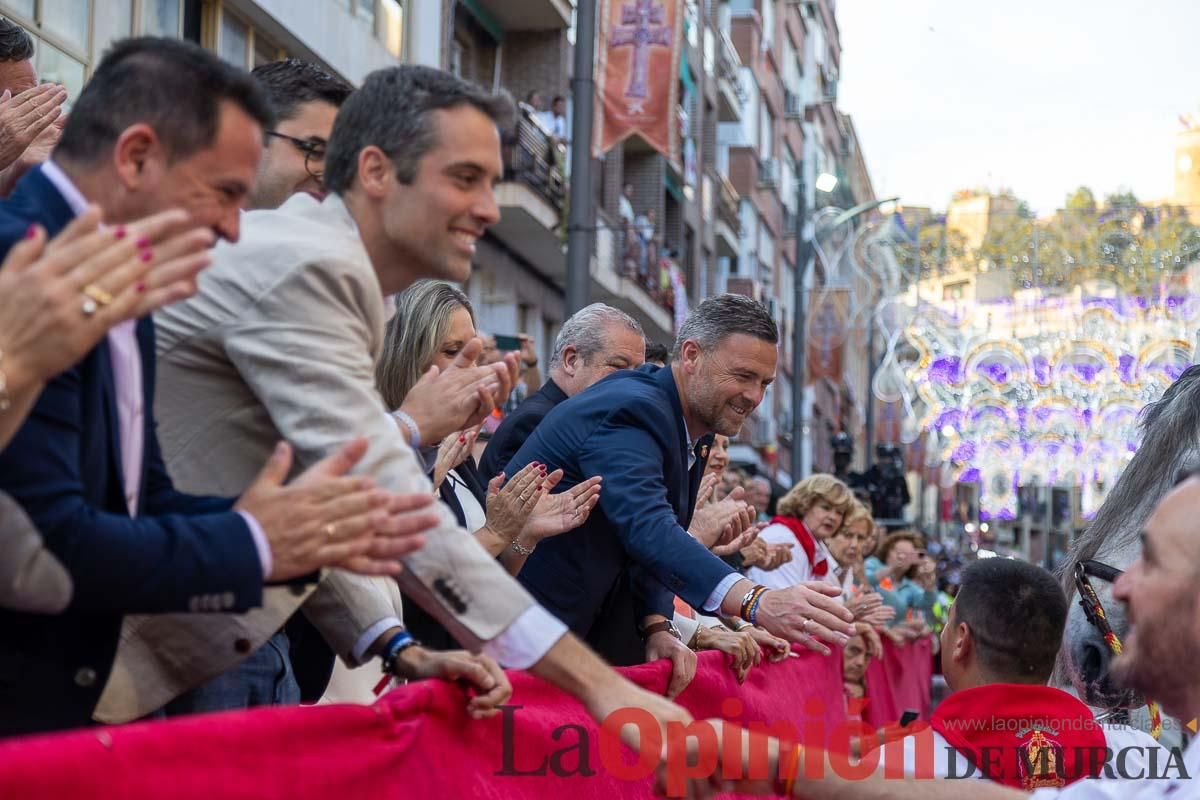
(1034, 736)
(806, 540)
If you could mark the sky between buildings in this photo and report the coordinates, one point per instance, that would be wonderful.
(1037, 95)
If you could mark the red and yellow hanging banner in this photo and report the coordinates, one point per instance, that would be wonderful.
(637, 74)
(826, 336)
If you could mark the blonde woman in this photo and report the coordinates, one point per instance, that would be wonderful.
(432, 324)
(808, 515)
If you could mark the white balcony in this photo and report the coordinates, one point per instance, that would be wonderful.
(528, 15)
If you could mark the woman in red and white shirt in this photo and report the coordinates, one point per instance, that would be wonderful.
(807, 515)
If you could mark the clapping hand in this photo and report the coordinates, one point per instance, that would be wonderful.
(704, 494)
(453, 451)
(326, 519)
(562, 512)
(869, 607)
(462, 396)
(44, 286)
(725, 527)
(732, 541)
(777, 555)
(509, 505)
(24, 116)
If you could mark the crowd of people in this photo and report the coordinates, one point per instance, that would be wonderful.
(255, 451)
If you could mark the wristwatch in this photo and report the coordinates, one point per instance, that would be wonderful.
(657, 627)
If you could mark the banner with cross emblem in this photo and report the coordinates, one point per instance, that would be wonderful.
(637, 69)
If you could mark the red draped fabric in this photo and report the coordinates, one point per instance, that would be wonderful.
(418, 742)
(414, 742)
(901, 680)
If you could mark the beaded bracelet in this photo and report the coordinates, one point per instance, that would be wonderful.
(752, 617)
(750, 599)
(395, 646)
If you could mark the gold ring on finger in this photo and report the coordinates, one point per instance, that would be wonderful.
(804, 626)
(331, 530)
(94, 292)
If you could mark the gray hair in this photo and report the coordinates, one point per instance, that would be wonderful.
(413, 336)
(393, 111)
(724, 315)
(585, 330)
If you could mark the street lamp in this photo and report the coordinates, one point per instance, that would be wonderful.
(825, 183)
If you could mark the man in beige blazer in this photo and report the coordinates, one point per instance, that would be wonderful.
(282, 340)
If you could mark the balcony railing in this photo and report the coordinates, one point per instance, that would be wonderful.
(768, 173)
(729, 64)
(535, 158)
(645, 261)
(727, 204)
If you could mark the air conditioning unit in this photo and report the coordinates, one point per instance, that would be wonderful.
(768, 173)
(792, 106)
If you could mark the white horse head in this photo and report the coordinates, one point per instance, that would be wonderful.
(1170, 447)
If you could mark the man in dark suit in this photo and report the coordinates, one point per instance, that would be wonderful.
(594, 343)
(643, 431)
(161, 124)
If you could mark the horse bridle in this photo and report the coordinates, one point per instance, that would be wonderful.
(1093, 610)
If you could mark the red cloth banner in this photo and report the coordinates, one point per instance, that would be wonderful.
(637, 69)
(900, 681)
(416, 741)
(827, 334)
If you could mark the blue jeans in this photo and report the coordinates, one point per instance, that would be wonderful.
(263, 679)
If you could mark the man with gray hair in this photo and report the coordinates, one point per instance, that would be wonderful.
(645, 432)
(594, 343)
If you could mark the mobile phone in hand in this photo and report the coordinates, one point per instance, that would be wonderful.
(507, 343)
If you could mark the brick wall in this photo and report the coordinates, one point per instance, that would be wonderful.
(536, 60)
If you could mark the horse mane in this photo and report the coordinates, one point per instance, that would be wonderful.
(1170, 431)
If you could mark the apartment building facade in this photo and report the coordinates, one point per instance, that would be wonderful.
(757, 111)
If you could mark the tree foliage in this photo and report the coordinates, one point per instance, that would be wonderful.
(1123, 242)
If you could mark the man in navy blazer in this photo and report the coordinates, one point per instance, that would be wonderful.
(594, 343)
(86, 464)
(643, 431)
